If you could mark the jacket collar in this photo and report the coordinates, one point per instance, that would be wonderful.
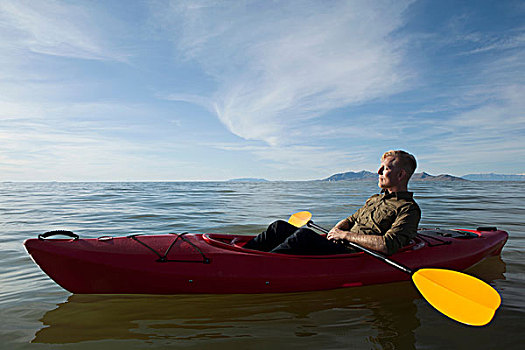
(398, 195)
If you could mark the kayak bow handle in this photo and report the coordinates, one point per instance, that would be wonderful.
(58, 232)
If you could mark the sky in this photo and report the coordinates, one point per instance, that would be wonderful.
(282, 90)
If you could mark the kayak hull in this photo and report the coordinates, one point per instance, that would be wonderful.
(217, 263)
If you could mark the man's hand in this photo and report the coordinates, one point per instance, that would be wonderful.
(337, 234)
(341, 231)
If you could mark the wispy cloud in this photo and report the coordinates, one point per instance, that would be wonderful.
(484, 43)
(189, 98)
(480, 138)
(291, 161)
(82, 148)
(53, 28)
(276, 66)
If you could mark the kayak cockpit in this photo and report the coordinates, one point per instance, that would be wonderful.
(425, 237)
(226, 241)
(237, 242)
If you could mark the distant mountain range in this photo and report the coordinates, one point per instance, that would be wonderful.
(367, 175)
(493, 177)
(350, 175)
(443, 177)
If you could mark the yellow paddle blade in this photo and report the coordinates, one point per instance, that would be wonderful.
(300, 219)
(459, 296)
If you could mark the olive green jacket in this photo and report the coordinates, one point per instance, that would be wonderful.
(395, 216)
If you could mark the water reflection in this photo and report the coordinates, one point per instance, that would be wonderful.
(383, 316)
(206, 318)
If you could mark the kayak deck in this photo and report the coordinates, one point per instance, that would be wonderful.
(217, 263)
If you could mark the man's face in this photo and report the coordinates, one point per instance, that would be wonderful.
(389, 174)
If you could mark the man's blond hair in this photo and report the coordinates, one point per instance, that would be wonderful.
(404, 160)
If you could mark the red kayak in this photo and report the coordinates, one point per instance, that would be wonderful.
(218, 263)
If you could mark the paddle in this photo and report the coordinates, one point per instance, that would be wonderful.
(459, 296)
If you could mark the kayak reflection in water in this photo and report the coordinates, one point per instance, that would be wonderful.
(387, 221)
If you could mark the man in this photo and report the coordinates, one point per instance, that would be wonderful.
(385, 223)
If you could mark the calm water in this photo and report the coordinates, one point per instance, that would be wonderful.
(35, 313)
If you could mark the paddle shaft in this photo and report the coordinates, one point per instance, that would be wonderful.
(371, 252)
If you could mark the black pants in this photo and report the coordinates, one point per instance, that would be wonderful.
(282, 237)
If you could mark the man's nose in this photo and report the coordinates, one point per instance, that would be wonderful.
(380, 171)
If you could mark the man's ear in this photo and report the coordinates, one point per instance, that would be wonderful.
(402, 175)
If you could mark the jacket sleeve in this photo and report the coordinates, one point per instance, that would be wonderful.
(351, 218)
(404, 228)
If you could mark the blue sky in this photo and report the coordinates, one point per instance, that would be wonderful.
(283, 90)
